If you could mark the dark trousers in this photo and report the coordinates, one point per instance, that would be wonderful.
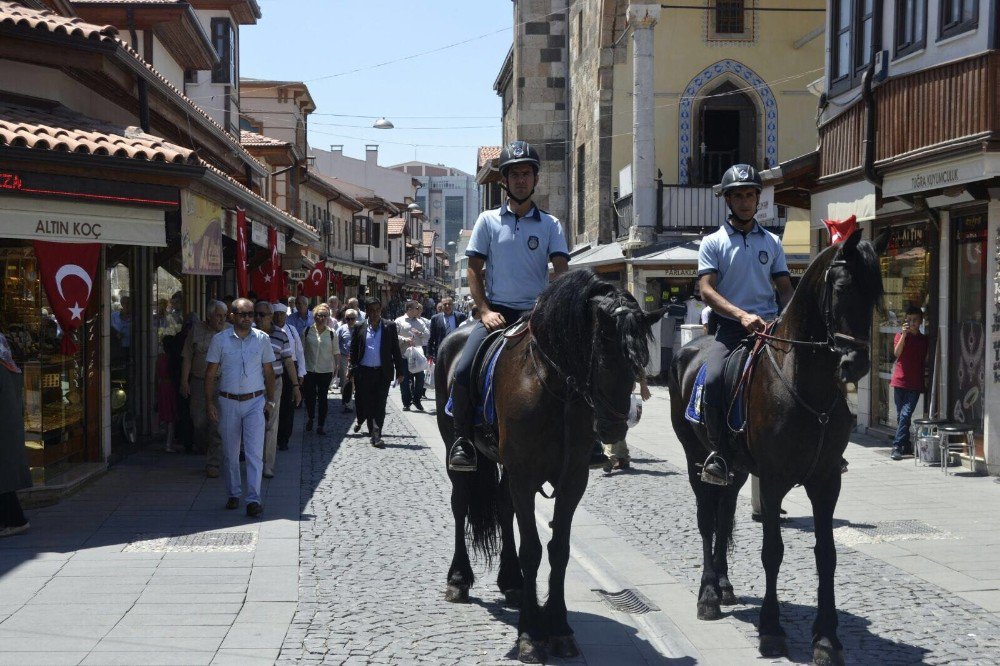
(906, 403)
(286, 410)
(11, 514)
(315, 387)
(412, 387)
(727, 338)
(462, 406)
(371, 391)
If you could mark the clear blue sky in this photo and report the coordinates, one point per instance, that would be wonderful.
(307, 40)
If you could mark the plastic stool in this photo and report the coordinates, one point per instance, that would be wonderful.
(967, 443)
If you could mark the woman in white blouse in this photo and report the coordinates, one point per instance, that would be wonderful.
(322, 353)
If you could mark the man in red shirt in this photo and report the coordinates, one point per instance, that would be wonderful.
(910, 349)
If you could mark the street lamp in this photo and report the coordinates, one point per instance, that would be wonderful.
(383, 123)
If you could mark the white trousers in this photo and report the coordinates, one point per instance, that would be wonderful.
(242, 422)
(271, 433)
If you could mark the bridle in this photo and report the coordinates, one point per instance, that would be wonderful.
(835, 340)
(604, 411)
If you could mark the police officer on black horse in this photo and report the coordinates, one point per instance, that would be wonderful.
(514, 245)
(739, 268)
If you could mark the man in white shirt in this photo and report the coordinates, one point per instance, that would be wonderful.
(414, 331)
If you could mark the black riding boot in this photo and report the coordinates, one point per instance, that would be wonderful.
(462, 455)
(717, 469)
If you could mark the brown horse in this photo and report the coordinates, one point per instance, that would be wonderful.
(570, 378)
(799, 424)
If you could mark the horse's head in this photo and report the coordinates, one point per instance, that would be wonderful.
(622, 331)
(851, 290)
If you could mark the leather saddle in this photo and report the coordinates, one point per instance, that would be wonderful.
(735, 378)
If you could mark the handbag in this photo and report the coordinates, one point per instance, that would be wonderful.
(429, 375)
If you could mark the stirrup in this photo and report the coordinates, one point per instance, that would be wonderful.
(463, 445)
(714, 480)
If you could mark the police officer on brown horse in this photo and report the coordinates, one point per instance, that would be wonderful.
(739, 268)
(513, 246)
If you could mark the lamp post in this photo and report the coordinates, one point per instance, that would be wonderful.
(383, 123)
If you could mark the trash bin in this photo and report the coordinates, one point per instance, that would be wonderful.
(928, 449)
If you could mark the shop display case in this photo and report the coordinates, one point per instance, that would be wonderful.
(53, 399)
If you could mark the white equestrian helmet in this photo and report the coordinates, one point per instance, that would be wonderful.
(634, 411)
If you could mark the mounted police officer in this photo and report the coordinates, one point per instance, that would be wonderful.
(739, 268)
(514, 245)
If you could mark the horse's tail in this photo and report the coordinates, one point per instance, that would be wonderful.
(485, 496)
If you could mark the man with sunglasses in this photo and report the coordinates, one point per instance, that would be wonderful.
(343, 370)
(239, 369)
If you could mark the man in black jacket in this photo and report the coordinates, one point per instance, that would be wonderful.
(442, 324)
(376, 365)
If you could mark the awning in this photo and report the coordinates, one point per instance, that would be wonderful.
(839, 203)
(602, 255)
(73, 222)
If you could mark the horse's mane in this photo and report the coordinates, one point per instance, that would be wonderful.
(864, 266)
(563, 326)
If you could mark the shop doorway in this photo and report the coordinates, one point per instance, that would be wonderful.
(124, 344)
(728, 132)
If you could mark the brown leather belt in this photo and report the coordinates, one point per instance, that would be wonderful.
(241, 397)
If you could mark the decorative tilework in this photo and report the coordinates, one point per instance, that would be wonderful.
(708, 76)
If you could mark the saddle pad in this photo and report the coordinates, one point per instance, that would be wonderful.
(486, 412)
(695, 411)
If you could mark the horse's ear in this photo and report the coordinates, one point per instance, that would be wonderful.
(654, 316)
(881, 243)
(850, 244)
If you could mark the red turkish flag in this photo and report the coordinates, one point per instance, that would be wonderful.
(315, 282)
(273, 266)
(68, 272)
(841, 230)
(242, 273)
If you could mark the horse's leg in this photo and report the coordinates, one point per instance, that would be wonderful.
(724, 519)
(509, 578)
(460, 575)
(568, 494)
(771, 635)
(531, 631)
(706, 498)
(827, 649)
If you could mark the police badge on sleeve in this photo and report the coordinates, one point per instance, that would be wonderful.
(533, 243)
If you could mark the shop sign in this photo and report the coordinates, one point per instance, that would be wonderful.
(73, 222)
(766, 209)
(281, 242)
(298, 274)
(941, 175)
(672, 272)
(258, 233)
(201, 235)
(970, 228)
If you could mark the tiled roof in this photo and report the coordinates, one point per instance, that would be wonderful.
(45, 21)
(396, 226)
(14, 14)
(485, 154)
(60, 129)
(127, 2)
(277, 212)
(260, 141)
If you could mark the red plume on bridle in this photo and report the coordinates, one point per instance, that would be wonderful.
(841, 230)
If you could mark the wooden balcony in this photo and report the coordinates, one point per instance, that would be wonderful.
(919, 112)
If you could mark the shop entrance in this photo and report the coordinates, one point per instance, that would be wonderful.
(123, 344)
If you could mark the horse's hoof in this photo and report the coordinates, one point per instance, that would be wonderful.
(456, 594)
(563, 647)
(824, 654)
(529, 651)
(709, 611)
(729, 597)
(773, 646)
(512, 598)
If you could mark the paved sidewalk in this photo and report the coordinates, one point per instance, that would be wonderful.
(145, 566)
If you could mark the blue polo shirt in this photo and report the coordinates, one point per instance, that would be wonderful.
(240, 360)
(517, 252)
(746, 265)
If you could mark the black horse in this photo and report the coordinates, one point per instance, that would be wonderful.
(798, 427)
(570, 375)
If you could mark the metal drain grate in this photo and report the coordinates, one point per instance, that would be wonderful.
(202, 542)
(627, 601)
(884, 532)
